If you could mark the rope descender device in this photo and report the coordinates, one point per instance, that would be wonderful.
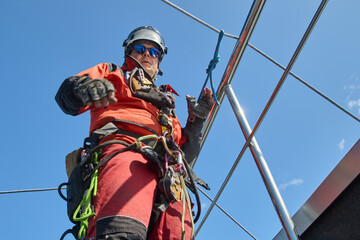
(171, 185)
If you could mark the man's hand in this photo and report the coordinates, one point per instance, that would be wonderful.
(201, 108)
(97, 92)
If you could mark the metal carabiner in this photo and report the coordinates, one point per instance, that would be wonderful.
(141, 75)
(180, 164)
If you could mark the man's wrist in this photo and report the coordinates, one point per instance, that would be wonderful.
(195, 124)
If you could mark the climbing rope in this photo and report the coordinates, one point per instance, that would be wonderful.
(186, 202)
(266, 56)
(85, 206)
(212, 66)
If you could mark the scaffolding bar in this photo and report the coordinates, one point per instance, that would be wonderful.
(249, 134)
(233, 63)
(282, 212)
(237, 53)
(264, 170)
(289, 66)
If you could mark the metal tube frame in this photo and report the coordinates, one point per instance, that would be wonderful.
(233, 63)
(237, 53)
(225, 87)
(264, 170)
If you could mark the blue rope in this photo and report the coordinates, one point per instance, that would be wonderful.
(212, 66)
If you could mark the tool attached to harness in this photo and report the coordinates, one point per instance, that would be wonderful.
(82, 166)
(138, 81)
(170, 184)
(79, 192)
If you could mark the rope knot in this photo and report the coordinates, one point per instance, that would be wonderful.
(212, 64)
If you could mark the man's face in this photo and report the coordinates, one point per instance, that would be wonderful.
(149, 63)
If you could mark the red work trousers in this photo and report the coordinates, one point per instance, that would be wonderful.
(127, 187)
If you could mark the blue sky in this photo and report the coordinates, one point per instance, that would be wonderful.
(303, 137)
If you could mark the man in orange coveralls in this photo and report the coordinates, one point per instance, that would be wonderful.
(128, 98)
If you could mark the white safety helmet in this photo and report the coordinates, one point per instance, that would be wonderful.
(147, 33)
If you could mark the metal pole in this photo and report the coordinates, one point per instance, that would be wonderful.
(234, 60)
(264, 170)
(289, 66)
(268, 180)
(274, 193)
(232, 65)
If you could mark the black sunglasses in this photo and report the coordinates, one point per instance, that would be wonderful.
(154, 52)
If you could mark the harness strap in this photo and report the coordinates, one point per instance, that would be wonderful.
(108, 158)
(105, 160)
(138, 147)
(135, 124)
(85, 208)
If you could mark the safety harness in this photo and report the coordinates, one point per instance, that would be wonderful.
(176, 174)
